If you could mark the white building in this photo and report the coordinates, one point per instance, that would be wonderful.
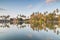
(4, 17)
(22, 16)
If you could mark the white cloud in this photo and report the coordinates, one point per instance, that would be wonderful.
(29, 6)
(49, 1)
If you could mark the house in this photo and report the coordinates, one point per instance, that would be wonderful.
(4, 19)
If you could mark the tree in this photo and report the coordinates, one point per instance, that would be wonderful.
(45, 12)
(57, 10)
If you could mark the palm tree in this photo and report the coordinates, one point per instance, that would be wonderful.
(45, 12)
(57, 10)
(54, 12)
(8, 16)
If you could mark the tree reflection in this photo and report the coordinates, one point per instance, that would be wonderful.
(45, 26)
(36, 26)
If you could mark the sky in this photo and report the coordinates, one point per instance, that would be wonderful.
(27, 7)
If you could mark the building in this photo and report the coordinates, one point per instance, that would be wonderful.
(4, 19)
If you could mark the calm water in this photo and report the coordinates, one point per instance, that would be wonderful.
(29, 32)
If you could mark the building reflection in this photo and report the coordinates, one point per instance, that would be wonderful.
(4, 25)
(19, 26)
(7, 25)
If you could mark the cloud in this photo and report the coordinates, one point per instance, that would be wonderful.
(49, 1)
(2, 9)
(29, 6)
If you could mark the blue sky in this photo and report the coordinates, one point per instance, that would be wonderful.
(27, 7)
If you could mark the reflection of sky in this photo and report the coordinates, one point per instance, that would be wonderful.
(26, 7)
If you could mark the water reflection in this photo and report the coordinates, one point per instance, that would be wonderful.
(32, 30)
(36, 26)
(4, 25)
(46, 27)
(21, 26)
